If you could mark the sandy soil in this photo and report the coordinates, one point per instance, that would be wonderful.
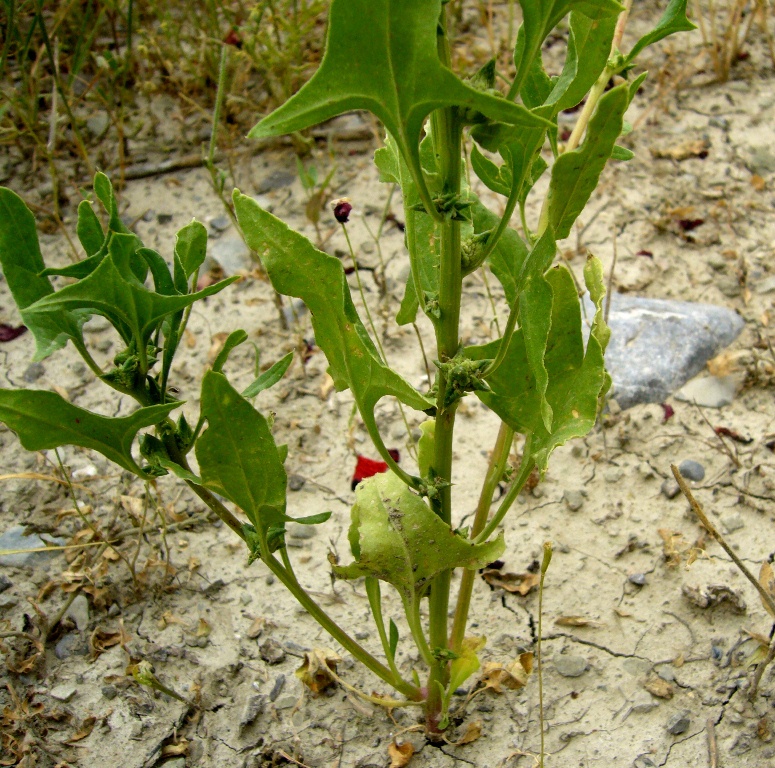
(660, 681)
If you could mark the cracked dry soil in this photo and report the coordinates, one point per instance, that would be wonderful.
(636, 674)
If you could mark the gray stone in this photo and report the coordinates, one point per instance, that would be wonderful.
(220, 223)
(574, 500)
(286, 702)
(643, 703)
(272, 652)
(709, 391)
(72, 644)
(670, 489)
(741, 746)
(296, 482)
(231, 254)
(765, 286)
(254, 706)
(277, 688)
(692, 470)
(678, 723)
(79, 612)
(64, 692)
(14, 539)
(570, 666)
(5, 582)
(33, 373)
(657, 345)
(732, 522)
(109, 692)
(638, 579)
(729, 285)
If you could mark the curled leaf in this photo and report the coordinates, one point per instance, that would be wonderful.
(520, 583)
(318, 670)
(513, 676)
(400, 754)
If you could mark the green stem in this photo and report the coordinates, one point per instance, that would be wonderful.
(498, 459)
(539, 658)
(288, 578)
(447, 138)
(528, 463)
(374, 594)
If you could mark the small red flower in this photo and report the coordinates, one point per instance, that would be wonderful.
(366, 467)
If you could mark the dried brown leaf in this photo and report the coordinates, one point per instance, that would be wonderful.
(318, 670)
(473, 732)
(203, 628)
(520, 583)
(181, 748)
(513, 676)
(577, 621)
(685, 150)
(400, 754)
(87, 726)
(767, 580)
(257, 627)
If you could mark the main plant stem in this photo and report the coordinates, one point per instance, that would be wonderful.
(447, 138)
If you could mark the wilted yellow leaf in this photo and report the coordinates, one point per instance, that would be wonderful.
(400, 754)
(767, 580)
(576, 621)
(514, 675)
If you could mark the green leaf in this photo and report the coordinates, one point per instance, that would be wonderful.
(132, 309)
(45, 420)
(535, 315)
(22, 265)
(490, 174)
(575, 174)
(466, 663)
(540, 17)
(673, 20)
(622, 153)
(589, 47)
(381, 55)
(234, 339)
(396, 537)
(270, 377)
(238, 457)
(576, 377)
(89, 229)
(191, 247)
(393, 638)
(296, 268)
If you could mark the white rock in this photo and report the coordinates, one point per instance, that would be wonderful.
(710, 391)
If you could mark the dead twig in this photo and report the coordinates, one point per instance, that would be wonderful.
(712, 747)
(765, 596)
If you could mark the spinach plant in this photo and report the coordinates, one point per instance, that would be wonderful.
(393, 58)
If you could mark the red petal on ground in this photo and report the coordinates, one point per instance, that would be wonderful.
(669, 412)
(9, 332)
(366, 467)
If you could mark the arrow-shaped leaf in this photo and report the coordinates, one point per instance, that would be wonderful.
(673, 20)
(46, 420)
(381, 55)
(238, 457)
(296, 268)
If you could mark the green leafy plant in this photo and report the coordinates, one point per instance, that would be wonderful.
(539, 376)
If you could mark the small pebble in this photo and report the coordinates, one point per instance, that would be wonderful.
(5, 582)
(164, 218)
(613, 474)
(109, 692)
(220, 223)
(692, 470)
(79, 612)
(570, 665)
(574, 500)
(272, 652)
(643, 703)
(254, 706)
(33, 373)
(63, 692)
(732, 522)
(362, 634)
(638, 579)
(277, 688)
(670, 489)
(678, 724)
(286, 702)
(296, 482)
(114, 610)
